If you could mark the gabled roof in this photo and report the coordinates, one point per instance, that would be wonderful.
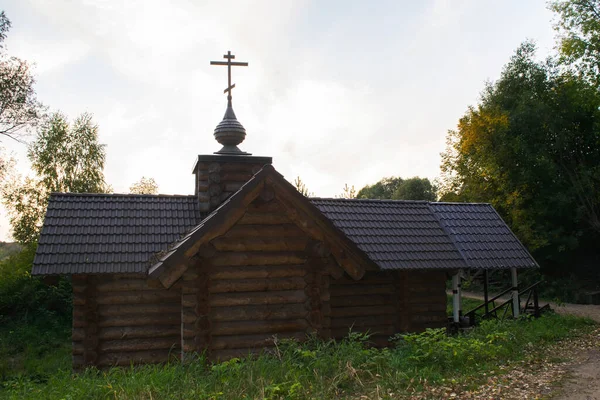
(100, 233)
(394, 234)
(109, 233)
(269, 183)
(481, 236)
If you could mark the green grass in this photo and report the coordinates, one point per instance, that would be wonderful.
(315, 369)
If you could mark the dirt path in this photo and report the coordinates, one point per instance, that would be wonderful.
(578, 378)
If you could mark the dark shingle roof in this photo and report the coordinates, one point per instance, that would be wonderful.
(115, 233)
(419, 234)
(481, 236)
(394, 234)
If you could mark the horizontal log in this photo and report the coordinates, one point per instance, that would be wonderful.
(257, 258)
(286, 230)
(241, 299)
(361, 322)
(140, 320)
(115, 346)
(355, 290)
(251, 244)
(362, 311)
(137, 357)
(366, 280)
(110, 310)
(123, 285)
(263, 312)
(252, 327)
(260, 205)
(385, 330)
(130, 332)
(239, 176)
(251, 341)
(256, 285)
(153, 297)
(262, 218)
(255, 272)
(373, 300)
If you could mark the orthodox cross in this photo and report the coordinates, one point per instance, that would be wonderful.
(229, 64)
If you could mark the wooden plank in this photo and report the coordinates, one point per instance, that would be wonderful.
(250, 298)
(362, 311)
(258, 258)
(252, 244)
(372, 300)
(131, 332)
(252, 327)
(256, 285)
(110, 310)
(123, 345)
(285, 230)
(262, 218)
(123, 285)
(350, 290)
(256, 272)
(152, 297)
(263, 312)
(252, 341)
(141, 320)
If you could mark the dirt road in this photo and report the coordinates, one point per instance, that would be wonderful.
(579, 378)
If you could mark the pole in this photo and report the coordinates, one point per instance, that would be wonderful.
(455, 299)
(485, 290)
(515, 292)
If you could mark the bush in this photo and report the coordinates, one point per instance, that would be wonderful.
(28, 297)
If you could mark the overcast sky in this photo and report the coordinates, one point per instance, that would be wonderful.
(336, 92)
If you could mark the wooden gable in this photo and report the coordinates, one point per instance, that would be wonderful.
(267, 198)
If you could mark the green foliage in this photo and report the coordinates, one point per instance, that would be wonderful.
(415, 189)
(301, 187)
(314, 369)
(531, 148)
(24, 296)
(69, 158)
(395, 188)
(144, 186)
(19, 107)
(578, 26)
(65, 158)
(384, 189)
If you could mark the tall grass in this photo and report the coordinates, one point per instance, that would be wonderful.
(314, 369)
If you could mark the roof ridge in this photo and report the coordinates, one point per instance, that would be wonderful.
(369, 200)
(70, 194)
(450, 236)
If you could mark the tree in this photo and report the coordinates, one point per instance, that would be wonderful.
(19, 107)
(348, 192)
(69, 158)
(396, 188)
(301, 187)
(144, 186)
(64, 158)
(532, 149)
(384, 189)
(578, 27)
(415, 189)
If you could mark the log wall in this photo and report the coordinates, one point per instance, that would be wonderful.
(255, 282)
(384, 303)
(124, 319)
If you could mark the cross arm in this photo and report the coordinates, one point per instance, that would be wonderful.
(241, 64)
